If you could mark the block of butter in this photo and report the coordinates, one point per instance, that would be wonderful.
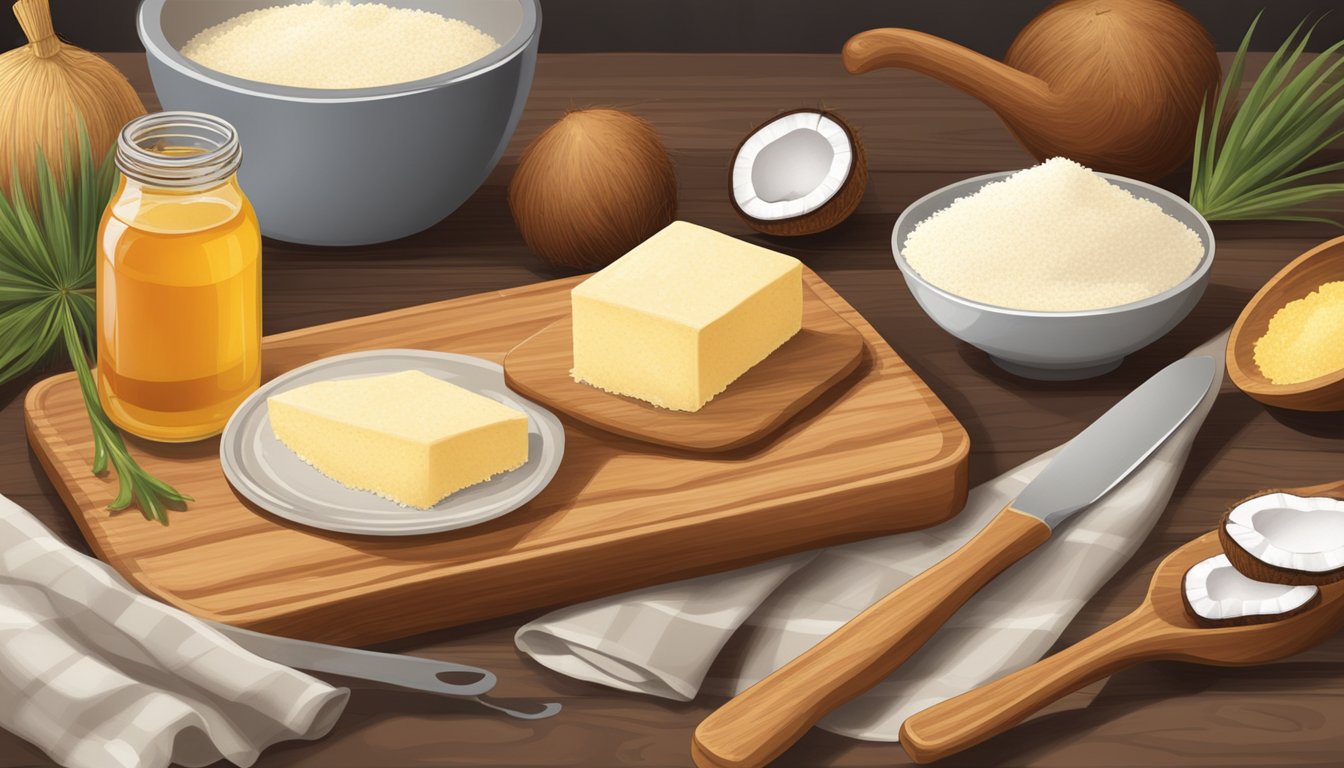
(406, 436)
(679, 318)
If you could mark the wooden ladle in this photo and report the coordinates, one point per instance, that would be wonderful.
(1306, 273)
(1159, 629)
(1113, 84)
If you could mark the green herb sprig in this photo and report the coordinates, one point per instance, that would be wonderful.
(1256, 167)
(47, 268)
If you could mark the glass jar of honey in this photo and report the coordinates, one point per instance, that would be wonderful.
(179, 281)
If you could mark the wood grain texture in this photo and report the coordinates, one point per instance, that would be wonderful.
(618, 515)
(821, 355)
(920, 135)
(758, 724)
(962, 722)
(1306, 273)
(1162, 627)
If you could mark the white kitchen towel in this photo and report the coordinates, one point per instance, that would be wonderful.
(99, 676)
(662, 640)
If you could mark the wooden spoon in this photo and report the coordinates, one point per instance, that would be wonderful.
(1303, 275)
(1160, 628)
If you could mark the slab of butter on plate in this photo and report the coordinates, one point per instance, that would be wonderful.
(438, 432)
(406, 436)
(684, 314)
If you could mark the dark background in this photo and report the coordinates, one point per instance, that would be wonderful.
(812, 26)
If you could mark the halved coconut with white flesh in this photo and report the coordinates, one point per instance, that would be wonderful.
(801, 173)
(1217, 594)
(1286, 538)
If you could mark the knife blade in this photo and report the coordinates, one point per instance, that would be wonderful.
(1114, 445)
(761, 722)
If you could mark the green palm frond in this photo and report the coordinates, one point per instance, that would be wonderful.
(1253, 163)
(47, 251)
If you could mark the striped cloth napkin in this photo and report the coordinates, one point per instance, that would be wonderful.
(100, 676)
(663, 640)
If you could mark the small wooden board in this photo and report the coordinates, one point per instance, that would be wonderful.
(877, 455)
(825, 351)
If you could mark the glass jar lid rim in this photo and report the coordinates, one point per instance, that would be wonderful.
(219, 160)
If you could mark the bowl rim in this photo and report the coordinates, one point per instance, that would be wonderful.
(147, 25)
(1194, 278)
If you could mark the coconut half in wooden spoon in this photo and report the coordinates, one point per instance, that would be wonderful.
(1285, 538)
(1217, 594)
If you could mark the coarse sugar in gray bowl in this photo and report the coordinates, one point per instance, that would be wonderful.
(353, 166)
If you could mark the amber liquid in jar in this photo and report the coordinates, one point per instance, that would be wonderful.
(179, 282)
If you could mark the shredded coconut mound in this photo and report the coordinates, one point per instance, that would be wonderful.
(1053, 238)
(338, 45)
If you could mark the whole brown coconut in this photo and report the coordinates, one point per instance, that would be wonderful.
(1116, 85)
(591, 187)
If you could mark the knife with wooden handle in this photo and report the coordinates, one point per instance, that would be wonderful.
(761, 722)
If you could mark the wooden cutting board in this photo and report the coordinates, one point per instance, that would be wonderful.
(875, 455)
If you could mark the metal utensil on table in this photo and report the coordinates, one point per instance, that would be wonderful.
(439, 677)
(761, 722)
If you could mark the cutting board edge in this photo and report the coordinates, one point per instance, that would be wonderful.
(74, 497)
(951, 455)
(355, 619)
(67, 490)
(950, 469)
(948, 424)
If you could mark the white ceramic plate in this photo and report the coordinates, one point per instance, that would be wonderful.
(269, 475)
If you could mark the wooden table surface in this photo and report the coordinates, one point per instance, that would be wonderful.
(919, 136)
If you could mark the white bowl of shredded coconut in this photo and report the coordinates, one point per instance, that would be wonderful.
(1056, 271)
(360, 121)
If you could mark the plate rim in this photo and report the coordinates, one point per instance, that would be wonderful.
(236, 432)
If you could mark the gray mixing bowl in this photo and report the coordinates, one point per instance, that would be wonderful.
(1056, 345)
(361, 165)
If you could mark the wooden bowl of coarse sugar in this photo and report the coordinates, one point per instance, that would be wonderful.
(1299, 280)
